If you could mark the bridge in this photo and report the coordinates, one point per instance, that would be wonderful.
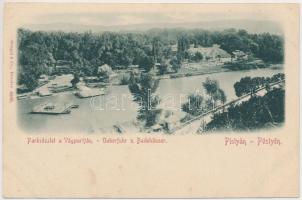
(199, 122)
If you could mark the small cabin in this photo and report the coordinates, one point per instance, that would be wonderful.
(214, 53)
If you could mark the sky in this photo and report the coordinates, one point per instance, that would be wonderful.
(125, 16)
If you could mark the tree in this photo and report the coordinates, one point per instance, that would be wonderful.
(34, 63)
(194, 106)
(270, 48)
(143, 90)
(176, 64)
(162, 69)
(211, 86)
(29, 78)
(183, 44)
(197, 104)
(156, 49)
(146, 63)
(197, 57)
(277, 77)
(214, 91)
(75, 79)
(244, 86)
(222, 96)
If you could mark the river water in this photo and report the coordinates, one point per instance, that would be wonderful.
(101, 113)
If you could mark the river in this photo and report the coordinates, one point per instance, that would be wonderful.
(100, 113)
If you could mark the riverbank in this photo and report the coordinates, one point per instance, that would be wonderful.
(187, 70)
(199, 69)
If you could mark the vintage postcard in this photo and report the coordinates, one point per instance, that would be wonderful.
(150, 100)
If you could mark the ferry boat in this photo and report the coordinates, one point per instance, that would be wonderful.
(50, 108)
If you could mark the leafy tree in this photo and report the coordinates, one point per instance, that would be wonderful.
(75, 80)
(222, 97)
(143, 91)
(244, 86)
(183, 44)
(146, 63)
(156, 49)
(194, 106)
(214, 91)
(197, 57)
(176, 63)
(271, 48)
(197, 104)
(211, 86)
(29, 78)
(248, 85)
(34, 63)
(277, 77)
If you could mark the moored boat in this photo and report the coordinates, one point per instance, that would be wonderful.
(50, 108)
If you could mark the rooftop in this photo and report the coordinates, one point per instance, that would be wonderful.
(213, 51)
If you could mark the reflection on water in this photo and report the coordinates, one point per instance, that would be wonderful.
(117, 106)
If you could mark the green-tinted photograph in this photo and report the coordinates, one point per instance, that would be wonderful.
(156, 76)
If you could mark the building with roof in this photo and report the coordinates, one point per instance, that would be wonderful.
(214, 53)
(239, 55)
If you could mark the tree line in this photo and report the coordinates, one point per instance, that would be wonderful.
(249, 85)
(38, 50)
(258, 112)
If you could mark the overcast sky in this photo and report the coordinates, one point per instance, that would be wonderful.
(126, 18)
(59, 17)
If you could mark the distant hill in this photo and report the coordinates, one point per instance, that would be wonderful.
(252, 26)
